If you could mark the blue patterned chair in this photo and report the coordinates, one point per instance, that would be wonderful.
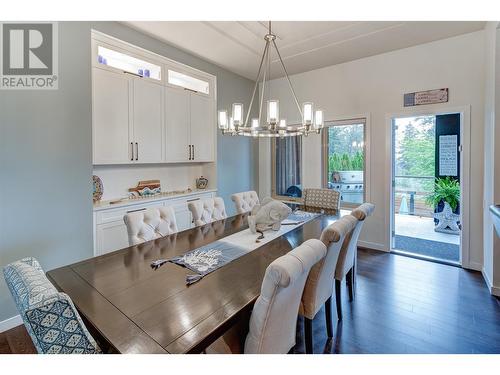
(49, 316)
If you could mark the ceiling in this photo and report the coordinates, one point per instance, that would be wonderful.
(238, 45)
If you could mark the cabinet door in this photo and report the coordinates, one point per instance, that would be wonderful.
(176, 125)
(110, 237)
(148, 121)
(202, 127)
(110, 118)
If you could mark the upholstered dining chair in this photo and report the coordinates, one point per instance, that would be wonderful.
(150, 224)
(208, 210)
(319, 285)
(274, 316)
(50, 317)
(245, 201)
(322, 198)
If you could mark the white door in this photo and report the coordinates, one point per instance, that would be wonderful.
(111, 141)
(202, 128)
(177, 125)
(148, 121)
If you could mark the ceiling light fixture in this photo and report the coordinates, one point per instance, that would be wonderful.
(275, 126)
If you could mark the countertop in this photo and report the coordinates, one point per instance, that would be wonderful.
(106, 205)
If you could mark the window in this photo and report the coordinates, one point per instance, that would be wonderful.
(287, 170)
(128, 63)
(344, 159)
(188, 82)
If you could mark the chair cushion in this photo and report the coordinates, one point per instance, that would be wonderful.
(245, 201)
(322, 198)
(150, 224)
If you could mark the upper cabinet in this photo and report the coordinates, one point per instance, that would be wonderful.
(149, 109)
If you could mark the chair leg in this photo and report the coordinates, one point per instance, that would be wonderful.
(349, 282)
(338, 286)
(328, 316)
(308, 335)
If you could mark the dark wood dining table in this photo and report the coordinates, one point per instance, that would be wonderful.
(132, 308)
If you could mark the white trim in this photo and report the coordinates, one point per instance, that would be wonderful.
(373, 246)
(465, 121)
(494, 290)
(10, 323)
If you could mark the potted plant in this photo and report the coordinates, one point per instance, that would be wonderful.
(446, 195)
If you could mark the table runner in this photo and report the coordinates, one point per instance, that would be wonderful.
(208, 258)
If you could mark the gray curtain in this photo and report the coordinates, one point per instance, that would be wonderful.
(288, 166)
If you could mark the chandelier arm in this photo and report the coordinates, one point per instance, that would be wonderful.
(256, 83)
(263, 88)
(288, 79)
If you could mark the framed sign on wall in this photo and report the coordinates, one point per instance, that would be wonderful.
(425, 97)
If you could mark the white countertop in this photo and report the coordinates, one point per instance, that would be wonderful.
(106, 205)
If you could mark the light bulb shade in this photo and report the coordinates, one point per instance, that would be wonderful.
(273, 111)
(282, 123)
(223, 120)
(318, 119)
(231, 123)
(255, 123)
(237, 114)
(307, 113)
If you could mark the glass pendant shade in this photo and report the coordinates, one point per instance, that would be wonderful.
(307, 113)
(318, 119)
(255, 123)
(282, 123)
(237, 114)
(273, 111)
(223, 123)
(231, 124)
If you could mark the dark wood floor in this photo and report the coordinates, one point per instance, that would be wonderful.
(402, 305)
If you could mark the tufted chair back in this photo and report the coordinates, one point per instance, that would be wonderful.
(150, 224)
(50, 317)
(319, 285)
(350, 247)
(274, 316)
(245, 201)
(322, 198)
(207, 210)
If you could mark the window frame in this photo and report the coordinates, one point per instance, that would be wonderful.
(324, 155)
(283, 198)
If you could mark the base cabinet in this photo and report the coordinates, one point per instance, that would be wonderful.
(111, 232)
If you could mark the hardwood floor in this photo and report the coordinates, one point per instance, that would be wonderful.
(402, 305)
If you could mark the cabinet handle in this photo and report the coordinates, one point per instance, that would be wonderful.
(192, 200)
(193, 152)
(139, 209)
(132, 150)
(136, 151)
(189, 152)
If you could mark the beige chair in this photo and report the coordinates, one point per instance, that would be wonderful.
(208, 210)
(322, 198)
(274, 316)
(319, 285)
(150, 224)
(245, 201)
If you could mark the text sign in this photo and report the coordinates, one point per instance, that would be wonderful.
(426, 97)
(448, 150)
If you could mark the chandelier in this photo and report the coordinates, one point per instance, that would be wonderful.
(274, 126)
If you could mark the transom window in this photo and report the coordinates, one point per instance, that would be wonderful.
(188, 82)
(127, 63)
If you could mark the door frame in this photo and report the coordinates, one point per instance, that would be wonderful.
(464, 112)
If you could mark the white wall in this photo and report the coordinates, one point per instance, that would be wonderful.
(374, 86)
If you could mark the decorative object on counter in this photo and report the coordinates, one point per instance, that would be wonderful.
(146, 188)
(268, 215)
(201, 183)
(147, 73)
(97, 188)
(140, 72)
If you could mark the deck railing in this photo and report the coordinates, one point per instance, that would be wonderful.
(415, 189)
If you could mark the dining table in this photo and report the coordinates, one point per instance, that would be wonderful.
(131, 307)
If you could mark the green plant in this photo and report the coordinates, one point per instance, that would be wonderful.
(346, 162)
(447, 190)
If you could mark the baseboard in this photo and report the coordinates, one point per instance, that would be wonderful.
(372, 245)
(10, 323)
(494, 290)
(474, 266)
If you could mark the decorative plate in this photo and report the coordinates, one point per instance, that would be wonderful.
(97, 188)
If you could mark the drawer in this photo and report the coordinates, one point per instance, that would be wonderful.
(117, 214)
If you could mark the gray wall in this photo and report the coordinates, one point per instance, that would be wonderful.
(45, 154)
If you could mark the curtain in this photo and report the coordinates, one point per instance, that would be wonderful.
(288, 165)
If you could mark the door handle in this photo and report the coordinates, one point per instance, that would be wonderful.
(136, 151)
(132, 151)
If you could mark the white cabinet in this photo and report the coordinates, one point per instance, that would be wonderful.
(111, 232)
(110, 130)
(147, 121)
(127, 119)
(189, 126)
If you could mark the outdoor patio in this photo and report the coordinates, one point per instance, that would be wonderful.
(415, 234)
